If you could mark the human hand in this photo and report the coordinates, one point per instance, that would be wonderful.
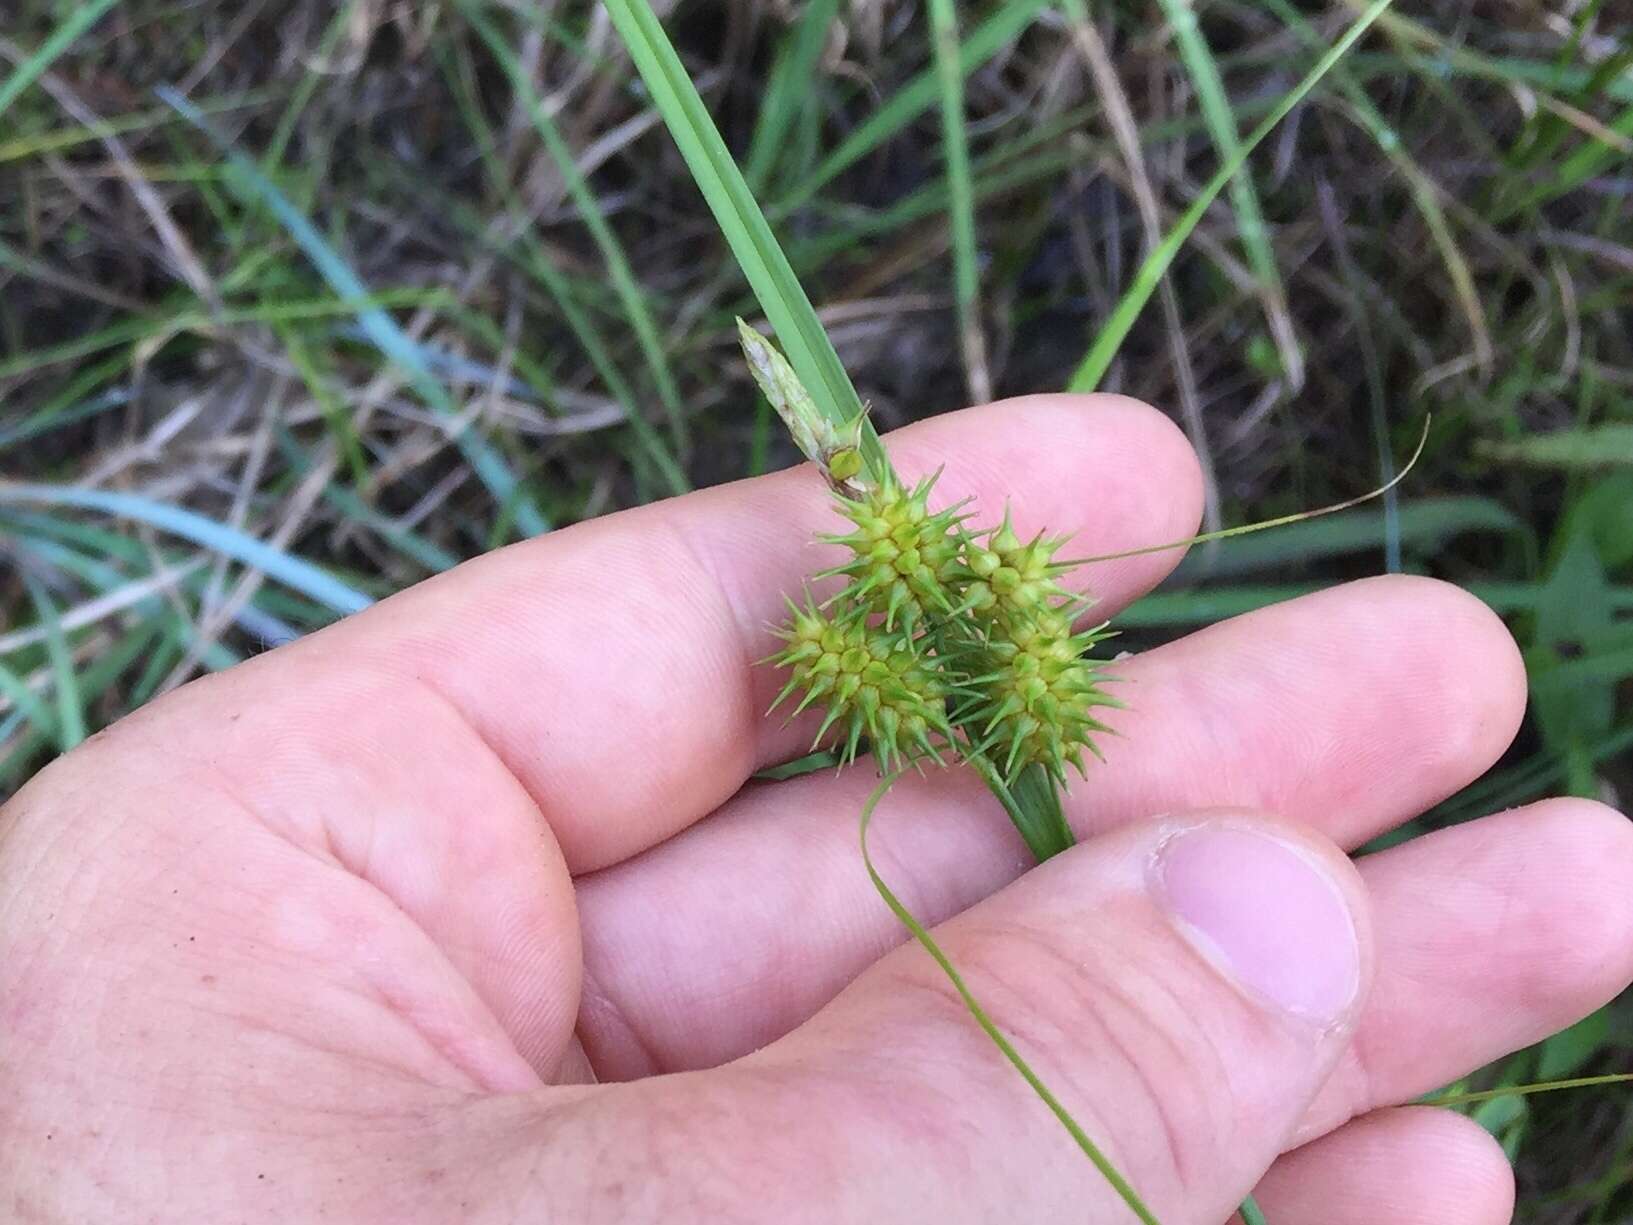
(347, 932)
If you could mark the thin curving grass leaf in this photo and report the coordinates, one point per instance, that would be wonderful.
(625, 286)
(920, 933)
(787, 91)
(1424, 190)
(70, 720)
(34, 67)
(781, 296)
(485, 460)
(293, 572)
(1116, 328)
(1281, 521)
(1546, 1086)
(1220, 119)
(915, 98)
(955, 146)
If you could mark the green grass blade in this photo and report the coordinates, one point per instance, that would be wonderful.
(624, 282)
(1548, 1086)
(534, 259)
(914, 99)
(70, 705)
(746, 230)
(788, 90)
(1582, 449)
(26, 702)
(1150, 273)
(485, 460)
(93, 682)
(1425, 192)
(35, 66)
(1090, 1149)
(955, 145)
(1220, 119)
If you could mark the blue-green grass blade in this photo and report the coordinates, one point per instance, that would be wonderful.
(294, 572)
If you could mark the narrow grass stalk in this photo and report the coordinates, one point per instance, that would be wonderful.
(1545, 1086)
(1372, 364)
(624, 283)
(955, 146)
(742, 223)
(915, 98)
(1220, 119)
(1115, 330)
(1424, 191)
(34, 67)
(70, 705)
(920, 933)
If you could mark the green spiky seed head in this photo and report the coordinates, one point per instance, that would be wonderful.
(1012, 580)
(1037, 695)
(868, 680)
(905, 561)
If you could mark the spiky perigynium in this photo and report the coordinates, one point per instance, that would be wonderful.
(1010, 580)
(1036, 694)
(872, 682)
(906, 563)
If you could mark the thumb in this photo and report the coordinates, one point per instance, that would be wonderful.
(1183, 985)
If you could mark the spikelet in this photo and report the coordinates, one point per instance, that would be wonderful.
(871, 682)
(1010, 581)
(1034, 701)
(906, 563)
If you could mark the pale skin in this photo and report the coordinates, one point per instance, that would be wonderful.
(350, 932)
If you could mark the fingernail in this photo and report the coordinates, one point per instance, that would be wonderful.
(1268, 915)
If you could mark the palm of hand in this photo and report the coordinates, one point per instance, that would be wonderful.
(350, 929)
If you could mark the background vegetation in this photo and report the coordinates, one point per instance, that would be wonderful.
(303, 300)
